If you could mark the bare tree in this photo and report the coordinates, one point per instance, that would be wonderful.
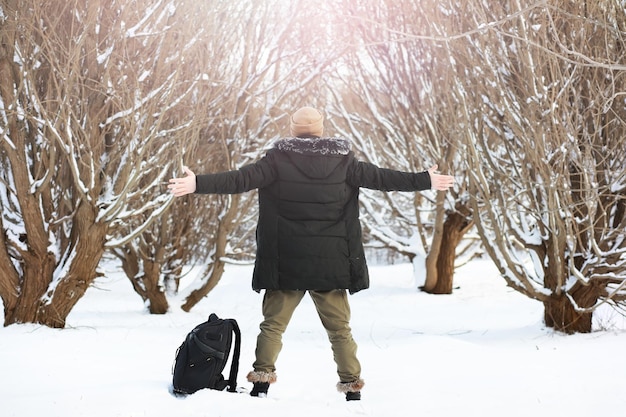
(154, 260)
(542, 91)
(86, 99)
(269, 59)
(392, 100)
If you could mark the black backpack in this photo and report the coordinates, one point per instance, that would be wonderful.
(202, 357)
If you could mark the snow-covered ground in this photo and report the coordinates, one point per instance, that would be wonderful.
(482, 351)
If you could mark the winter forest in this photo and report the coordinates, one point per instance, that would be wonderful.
(102, 101)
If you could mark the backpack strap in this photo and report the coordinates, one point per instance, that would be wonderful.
(234, 365)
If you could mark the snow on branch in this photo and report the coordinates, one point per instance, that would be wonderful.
(140, 103)
(161, 204)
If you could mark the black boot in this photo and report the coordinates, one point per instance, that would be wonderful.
(260, 389)
(353, 395)
(352, 389)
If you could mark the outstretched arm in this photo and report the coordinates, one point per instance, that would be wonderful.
(248, 177)
(370, 176)
(438, 181)
(183, 185)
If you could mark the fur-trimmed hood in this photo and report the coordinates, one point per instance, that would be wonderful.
(315, 157)
(314, 145)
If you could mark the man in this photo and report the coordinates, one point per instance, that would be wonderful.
(308, 235)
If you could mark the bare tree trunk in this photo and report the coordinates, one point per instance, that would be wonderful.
(217, 267)
(50, 305)
(155, 293)
(432, 270)
(454, 228)
(561, 315)
(37, 271)
(146, 283)
(449, 228)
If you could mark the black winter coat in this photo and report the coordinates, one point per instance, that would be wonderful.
(308, 232)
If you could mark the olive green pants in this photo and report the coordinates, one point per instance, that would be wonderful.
(334, 312)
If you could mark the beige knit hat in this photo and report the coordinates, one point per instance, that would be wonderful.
(307, 121)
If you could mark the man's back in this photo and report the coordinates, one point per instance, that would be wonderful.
(308, 216)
